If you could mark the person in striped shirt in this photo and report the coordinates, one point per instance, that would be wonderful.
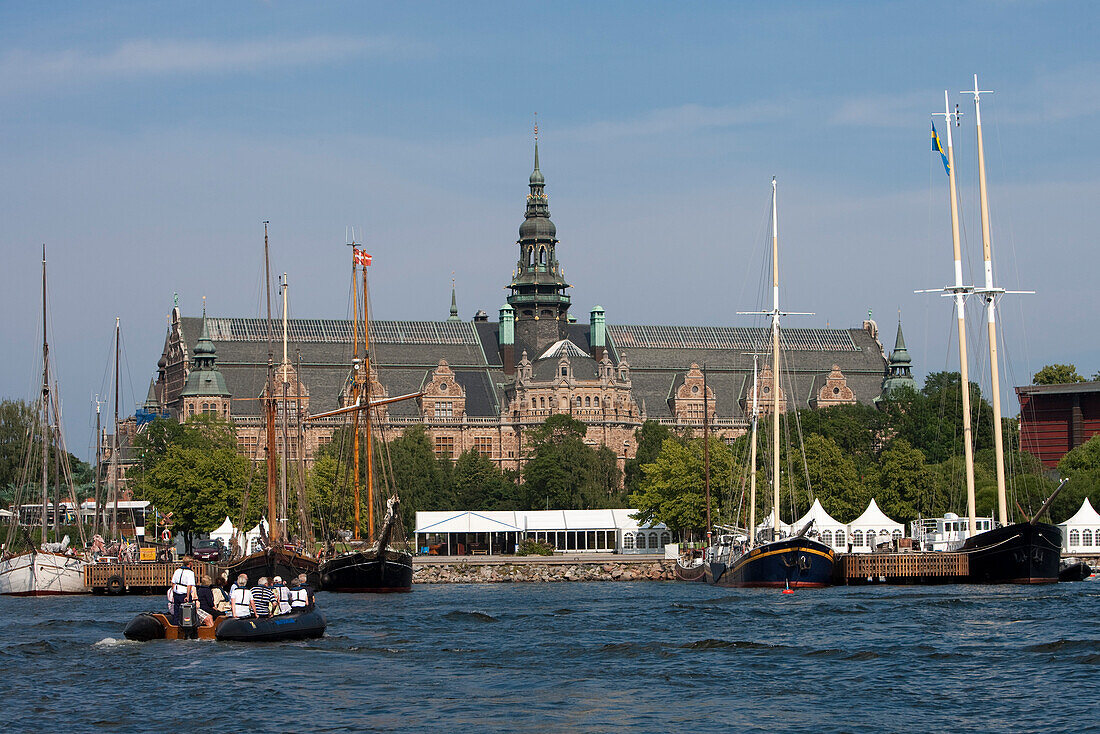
(263, 598)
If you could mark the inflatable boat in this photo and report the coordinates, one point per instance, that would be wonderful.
(301, 626)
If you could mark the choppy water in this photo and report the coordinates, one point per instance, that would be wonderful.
(636, 657)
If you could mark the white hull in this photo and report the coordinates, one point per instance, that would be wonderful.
(42, 574)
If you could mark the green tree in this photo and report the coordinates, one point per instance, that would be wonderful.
(906, 484)
(206, 432)
(1082, 466)
(650, 437)
(673, 490)
(833, 479)
(855, 429)
(563, 472)
(19, 426)
(198, 486)
(1056, 374)
(479, 484)
(419, 478)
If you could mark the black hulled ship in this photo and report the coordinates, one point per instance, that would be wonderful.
(793, 563)
(380, 568)
(1021, 553)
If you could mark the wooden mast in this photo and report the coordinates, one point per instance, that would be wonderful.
(269, 409)
(45, 405)
(706, 449)
(283, 505)
(959, 293)
(115, 446)
(357, 377)
(775, 365)
(752, 462)
(98, 469)
(366, 412)
(990, 293)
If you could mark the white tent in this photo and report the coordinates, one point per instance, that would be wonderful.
(227, 530)
(1081, 533)
(224, 532)
(765, 527)
(871, 528)
(827, 529)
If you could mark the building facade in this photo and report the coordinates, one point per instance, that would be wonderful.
(485, 384)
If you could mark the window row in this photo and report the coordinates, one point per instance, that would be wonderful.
(1087, 537)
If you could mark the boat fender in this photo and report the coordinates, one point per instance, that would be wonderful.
(115, 585)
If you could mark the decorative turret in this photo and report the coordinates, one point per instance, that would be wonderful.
(454, 304)
(899, 368)
(205, 390)
(538, 287)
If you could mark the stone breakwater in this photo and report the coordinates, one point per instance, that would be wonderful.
(474, 573)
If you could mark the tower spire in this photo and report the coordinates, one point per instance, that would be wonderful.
(454, 303)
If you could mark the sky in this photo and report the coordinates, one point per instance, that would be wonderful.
(145, 143)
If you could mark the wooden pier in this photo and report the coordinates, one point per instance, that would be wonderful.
(137, 578)
(901, 568)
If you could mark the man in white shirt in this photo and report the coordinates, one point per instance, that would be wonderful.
(183, 587)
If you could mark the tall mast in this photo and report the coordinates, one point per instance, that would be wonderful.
(706, 449)
(98, 470)
(959, 293)
(303, 502)
(45, 404)
(283, 519)
(775, 364)
(357, 378)
(114, 445)
(752, 462)
(366, 412)
(269, 407)
(989, 293)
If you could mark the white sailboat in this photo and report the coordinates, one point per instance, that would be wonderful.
(38, 571)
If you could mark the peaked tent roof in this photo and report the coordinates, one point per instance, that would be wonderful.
(822, 518)
(874, 517)
(1086, 515)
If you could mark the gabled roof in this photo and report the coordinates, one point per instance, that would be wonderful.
(822, 519)
(1086, 515)
(874, 517)
(563, 347)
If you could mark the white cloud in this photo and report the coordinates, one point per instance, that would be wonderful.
(21, 69)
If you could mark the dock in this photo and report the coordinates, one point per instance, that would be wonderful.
(901, 568)
(143, 577)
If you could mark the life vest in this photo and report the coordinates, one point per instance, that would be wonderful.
(299, 598)
(240, 598)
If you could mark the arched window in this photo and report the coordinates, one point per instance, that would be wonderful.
(587, 401)
(827, 537)
(578, 401)
(896, 535)
(596, 401)
(857, 537)
(1074, 538)
(530, 255)
(542, 256)
(628, 541)
(1086, 537)
(654, 540)
(839, 539)
(666, 538)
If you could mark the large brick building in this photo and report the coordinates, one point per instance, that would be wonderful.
(485, 382)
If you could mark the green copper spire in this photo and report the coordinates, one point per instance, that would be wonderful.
(899, 368)
(454, 304)
(204, 378)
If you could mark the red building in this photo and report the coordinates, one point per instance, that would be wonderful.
(1057, 418)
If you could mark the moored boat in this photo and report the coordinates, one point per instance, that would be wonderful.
(300, 626)
(40, 573)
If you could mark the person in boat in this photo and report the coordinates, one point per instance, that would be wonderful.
(303, 582)
(263, 599)
(240, 598)
(282, 597)
(206, 609)
(300, 599)
(183, 587)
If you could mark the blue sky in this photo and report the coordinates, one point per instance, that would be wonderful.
(145, 143)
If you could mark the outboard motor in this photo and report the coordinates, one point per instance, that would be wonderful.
(189, 620)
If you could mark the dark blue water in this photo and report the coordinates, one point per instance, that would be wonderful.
(639, 657)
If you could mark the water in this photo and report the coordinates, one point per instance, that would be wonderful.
(639, 657)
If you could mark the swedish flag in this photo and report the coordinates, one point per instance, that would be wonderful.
(937, 148)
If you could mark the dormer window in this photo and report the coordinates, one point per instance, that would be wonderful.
(564, 371)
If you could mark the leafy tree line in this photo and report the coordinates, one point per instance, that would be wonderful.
(19, 421)
(1059, 374)
(906, 454)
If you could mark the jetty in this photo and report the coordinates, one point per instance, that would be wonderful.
(901, 568)
(143, 577)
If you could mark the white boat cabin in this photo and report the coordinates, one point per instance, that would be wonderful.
(946, 533)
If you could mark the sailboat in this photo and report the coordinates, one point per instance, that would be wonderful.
(796, 561)
(43, 569)
(382, 566)
(278, 558)
(1025, 552)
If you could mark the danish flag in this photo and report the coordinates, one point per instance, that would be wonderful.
(360, 257)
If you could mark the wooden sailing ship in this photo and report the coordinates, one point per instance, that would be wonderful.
(384, 564)
(793, 562)
(276, 557)
(36, 570)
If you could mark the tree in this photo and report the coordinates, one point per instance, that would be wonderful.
(855, 429)
(673, 490)
(563, 472)
(202, 431)
(833, 479)
(479, 484)
(19, 426)
(650, 437)
(1057, 374)
(906, 486)
(198, 486)
(419, 478)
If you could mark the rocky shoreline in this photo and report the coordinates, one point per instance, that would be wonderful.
(474, 573)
